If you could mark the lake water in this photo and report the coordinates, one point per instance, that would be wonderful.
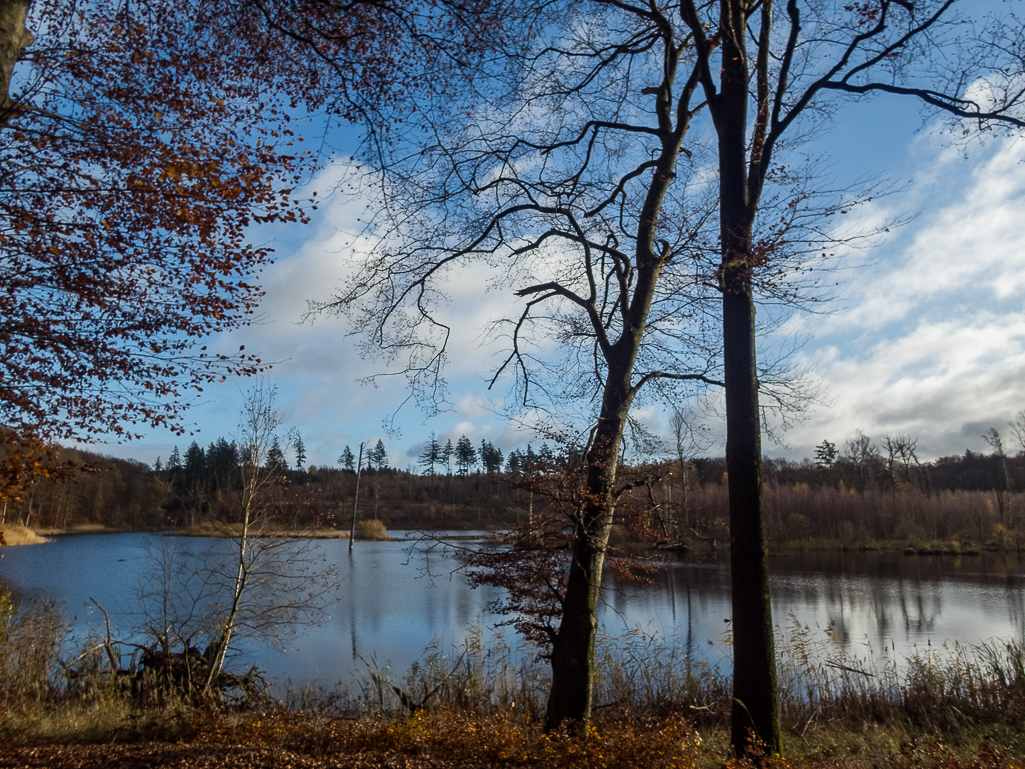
(882, 604)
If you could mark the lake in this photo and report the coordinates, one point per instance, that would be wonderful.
(389, 608)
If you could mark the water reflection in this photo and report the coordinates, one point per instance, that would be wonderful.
(387, 609)
(884, 603)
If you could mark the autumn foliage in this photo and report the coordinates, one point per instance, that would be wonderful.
(139, 144)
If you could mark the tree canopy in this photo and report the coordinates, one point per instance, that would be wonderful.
(139, 145)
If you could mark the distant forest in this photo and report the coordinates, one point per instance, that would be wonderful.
(860, 494)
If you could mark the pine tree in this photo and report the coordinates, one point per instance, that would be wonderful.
(513, 463)
(276, 457)
(195, 463)
(347, 460)
(466, 455)
(378, 456)
(222, 461)
(825, 455)
(528, 463)
(300, 452)
(431, 456)
(490, 457)
(447, 454)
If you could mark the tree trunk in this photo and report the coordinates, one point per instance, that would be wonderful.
(755, 699)
(220, 645)
(573, 649)
(573, 645)
(14, 39)
(355, 497)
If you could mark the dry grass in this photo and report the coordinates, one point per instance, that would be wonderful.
(234, 530)
(20, 535)
(371, 530)
(452, 738)
(78, 528)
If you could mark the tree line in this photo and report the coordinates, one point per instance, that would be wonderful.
(856, 493)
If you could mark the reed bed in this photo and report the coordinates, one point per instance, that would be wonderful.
(481, 703)
(938, 689)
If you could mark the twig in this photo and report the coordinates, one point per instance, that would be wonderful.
(108, 645)
(850, 670)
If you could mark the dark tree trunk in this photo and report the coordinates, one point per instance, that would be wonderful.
(573, 647)
(755, 698)
(755, 701)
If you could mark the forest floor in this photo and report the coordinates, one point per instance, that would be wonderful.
(192, 756)
(453, 741)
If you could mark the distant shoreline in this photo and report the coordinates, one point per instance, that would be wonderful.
(15, 535)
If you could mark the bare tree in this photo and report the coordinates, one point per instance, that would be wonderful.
(355, 495)
(686, 441)
(902, 459)
(569, 180)
(860, 459)
(571, 188)
(769, 70)
(271, 581)
(1017, 426)
(995, 442)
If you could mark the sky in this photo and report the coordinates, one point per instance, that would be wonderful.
(926, 335)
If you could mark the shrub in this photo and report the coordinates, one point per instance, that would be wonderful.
(371, 530)
(30, 644)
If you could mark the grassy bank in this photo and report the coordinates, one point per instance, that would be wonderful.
(365, 530)
(447, 738)
(228, 530)
(945, 708)
(909, 546)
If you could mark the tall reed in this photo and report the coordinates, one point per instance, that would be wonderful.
(645, 674)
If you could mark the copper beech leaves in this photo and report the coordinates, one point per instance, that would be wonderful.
(138, 143)
(143, 140)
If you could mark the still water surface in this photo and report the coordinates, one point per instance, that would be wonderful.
(877, 604)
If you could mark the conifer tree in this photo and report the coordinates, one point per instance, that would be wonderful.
(347, 460)
(276, 457)
(431, 456)
(466, 455)
(447, 455)
(377, 457)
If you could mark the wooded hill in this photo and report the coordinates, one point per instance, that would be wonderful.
(852, 499)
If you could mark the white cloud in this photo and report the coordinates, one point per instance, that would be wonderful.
(967, 239)
(933, 340)
(929, 382)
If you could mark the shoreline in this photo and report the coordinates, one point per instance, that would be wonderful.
(15, 535)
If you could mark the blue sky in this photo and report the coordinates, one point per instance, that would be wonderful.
(926, 335)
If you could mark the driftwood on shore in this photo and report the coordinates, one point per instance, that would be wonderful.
(157, 675)
(157, 672)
